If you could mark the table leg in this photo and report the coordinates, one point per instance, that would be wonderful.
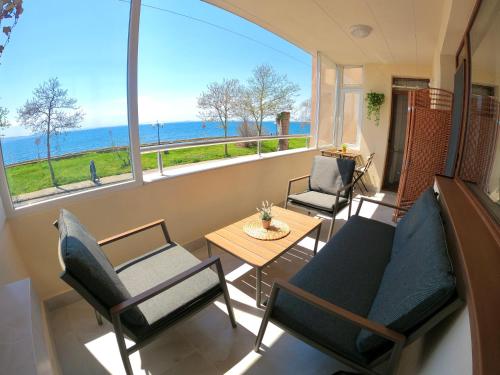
(318, 231)
(258, 273)
(209, 248)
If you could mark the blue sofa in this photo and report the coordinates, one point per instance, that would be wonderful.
(371, 290)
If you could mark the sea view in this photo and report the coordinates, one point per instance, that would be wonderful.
(22, 149)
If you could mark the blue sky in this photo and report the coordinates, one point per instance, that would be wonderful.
(84, 44)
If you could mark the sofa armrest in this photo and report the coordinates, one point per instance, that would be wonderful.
(363, 199)
(333, 309)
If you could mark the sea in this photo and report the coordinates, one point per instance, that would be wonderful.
(32, 147)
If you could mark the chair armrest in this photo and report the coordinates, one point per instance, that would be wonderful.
(131, 232)
(152, 292)
(379, 203)
(299, 178)
(342, 313)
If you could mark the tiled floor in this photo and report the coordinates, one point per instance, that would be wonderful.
(206, 343)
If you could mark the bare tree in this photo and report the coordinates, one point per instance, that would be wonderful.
(50, 112)
(220, 103)
(267, 93)
(4, 121)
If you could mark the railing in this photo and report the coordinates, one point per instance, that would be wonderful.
(158, 149)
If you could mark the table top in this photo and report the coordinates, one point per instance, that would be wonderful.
(259, 253)
(350, 154)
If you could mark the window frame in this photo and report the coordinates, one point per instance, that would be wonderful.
(135, 147)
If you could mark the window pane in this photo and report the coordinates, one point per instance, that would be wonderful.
(190, 55)
(352, 117)
(79, 56)
(353, 76)
(327, 101)
(480, 166)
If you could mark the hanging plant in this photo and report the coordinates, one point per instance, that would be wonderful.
(375, 101)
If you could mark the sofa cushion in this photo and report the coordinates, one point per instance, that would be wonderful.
(417, 282)
(423, 208)
(85, 262)
(320, 201)
(346, 272)
(329, 174)
(158, 266)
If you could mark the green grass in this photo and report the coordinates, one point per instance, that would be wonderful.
(35, 176)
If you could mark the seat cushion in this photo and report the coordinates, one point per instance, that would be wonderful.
(417, 282)
(86, 263)
(159, 266)
(346, 272)
(320, 201)
(423, 208)
(329, 174)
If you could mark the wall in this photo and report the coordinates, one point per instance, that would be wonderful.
(12, 267)
(378, 78)
(192, 205)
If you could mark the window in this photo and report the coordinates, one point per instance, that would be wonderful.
(191, 56)
(351, 104)
(480, 164)
(78, 57)
(327, 99)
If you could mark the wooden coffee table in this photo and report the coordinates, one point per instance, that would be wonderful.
(260, 253)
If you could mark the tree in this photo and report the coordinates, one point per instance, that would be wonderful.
(10, 11)
(220, 103)
(49, 112)
(267, 93)
(4, 121)
(304, 112)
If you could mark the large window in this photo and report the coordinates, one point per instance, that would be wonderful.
(351, 104)
(207, 76)
(211, 86)
(480, 164)
(63, 98)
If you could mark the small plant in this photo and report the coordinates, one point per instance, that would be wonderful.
(344, 147)
(375, 101)
(266, 214)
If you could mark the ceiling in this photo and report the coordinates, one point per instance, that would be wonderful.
(404, 31)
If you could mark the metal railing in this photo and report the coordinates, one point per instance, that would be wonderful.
(159, 148)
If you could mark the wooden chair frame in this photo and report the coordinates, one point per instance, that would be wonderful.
(114, 313)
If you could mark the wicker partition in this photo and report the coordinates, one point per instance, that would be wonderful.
(426, 144)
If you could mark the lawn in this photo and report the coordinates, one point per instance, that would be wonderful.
(35, 176)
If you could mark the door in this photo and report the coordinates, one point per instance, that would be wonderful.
(396, 142)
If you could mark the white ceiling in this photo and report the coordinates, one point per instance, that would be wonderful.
(404, 31)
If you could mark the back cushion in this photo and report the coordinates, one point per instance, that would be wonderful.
(85, 261)
(424, 207)
(417, 282)
(329, 174)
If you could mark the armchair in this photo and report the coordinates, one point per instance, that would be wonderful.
(144, 296)
(330, 186)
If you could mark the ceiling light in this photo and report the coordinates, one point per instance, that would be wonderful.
(360, 31)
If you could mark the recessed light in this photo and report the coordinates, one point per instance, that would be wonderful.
(360, 31)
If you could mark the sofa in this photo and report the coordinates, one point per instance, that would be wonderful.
(371, 290)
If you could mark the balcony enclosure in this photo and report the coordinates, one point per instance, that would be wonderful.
(196, 112)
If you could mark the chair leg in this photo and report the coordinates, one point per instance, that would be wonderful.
(121, 345)
(330, 232)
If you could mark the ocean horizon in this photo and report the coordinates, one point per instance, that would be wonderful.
(20, 149)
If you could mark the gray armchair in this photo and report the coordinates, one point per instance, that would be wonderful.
(330, 186)
(144, 296)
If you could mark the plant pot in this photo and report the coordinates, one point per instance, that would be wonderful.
(266, 224)
(344, 150)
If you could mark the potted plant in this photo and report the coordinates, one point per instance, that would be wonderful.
(374, 101)
(266, 214)
(344, 148)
